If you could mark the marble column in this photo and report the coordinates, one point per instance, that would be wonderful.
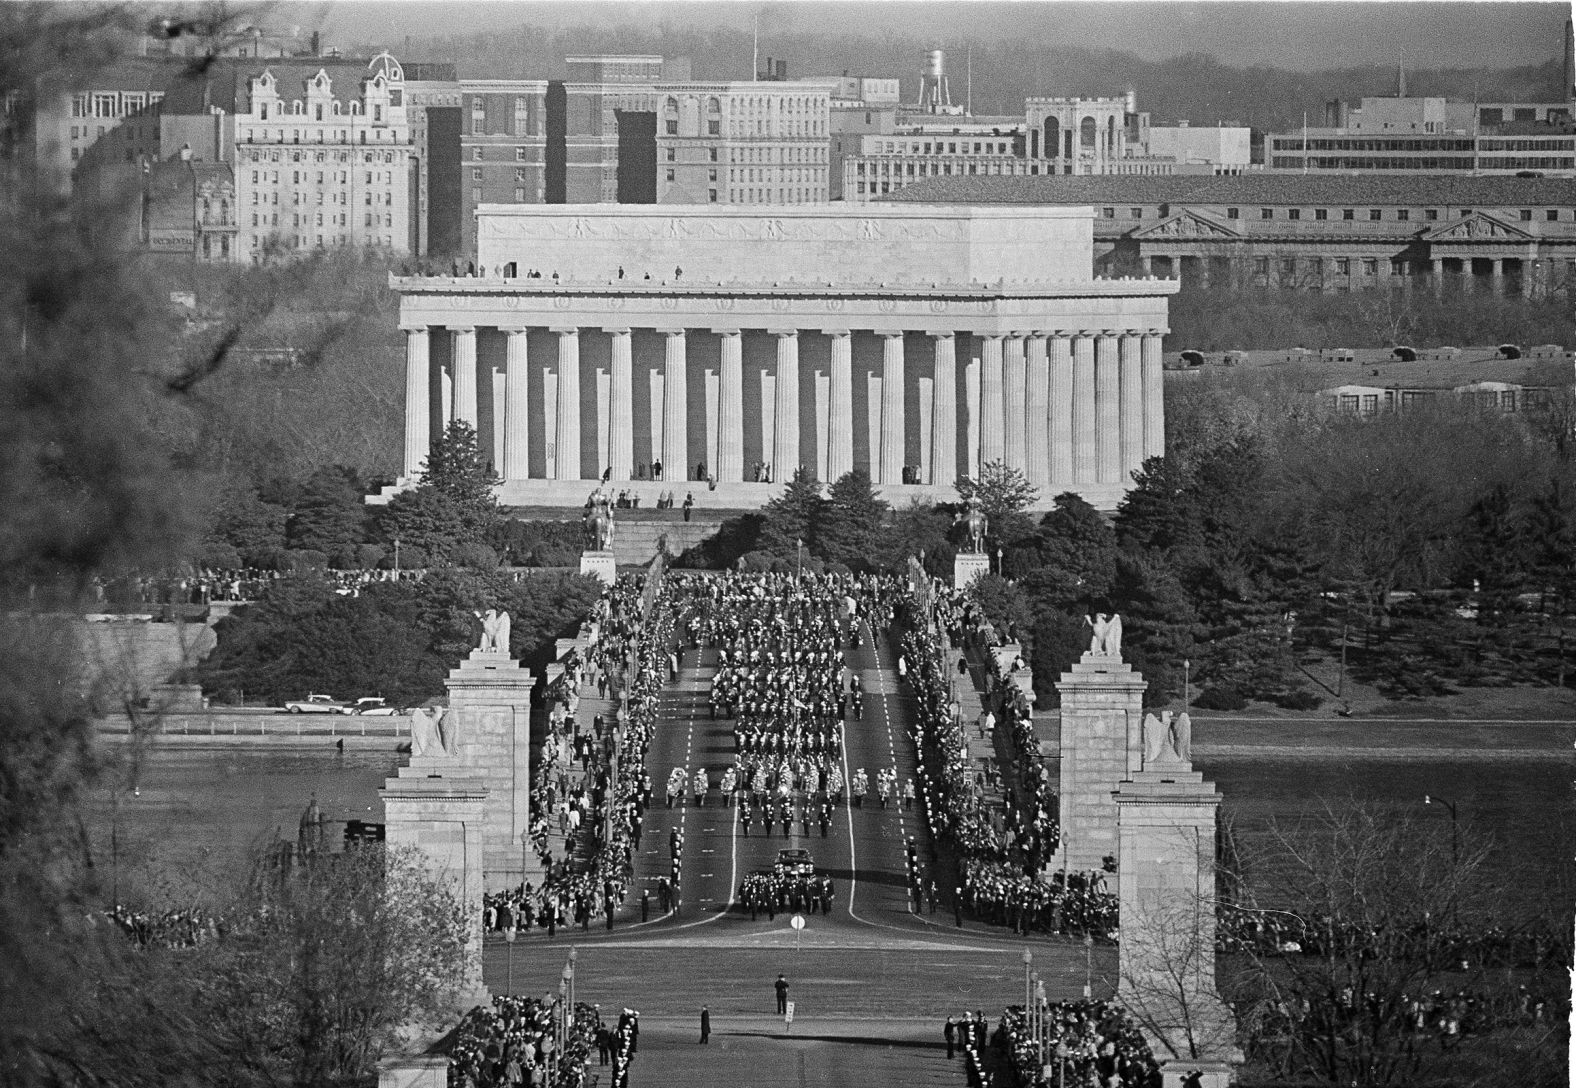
(568, 439)
(785, 406)
(1013, 388)
(993, 446)
(418, 428)
(516, 407)
(621, 408)
(1154, 396)
(1107, 409)
(1436, 270)
(840, 414)
(893, 424)
(675, 409)
(1132, 409)
(729, 457)
(944, 410)
(1035, 412)
(1084, 430)
(465, 374)
(1060, 366)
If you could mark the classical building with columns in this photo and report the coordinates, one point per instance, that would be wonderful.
(913, 342)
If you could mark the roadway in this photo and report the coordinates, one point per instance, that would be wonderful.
(875, 959)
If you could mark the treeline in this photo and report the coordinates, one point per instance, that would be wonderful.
(395, 639)
(1435, 546)
(322, 520)
(1195, 86)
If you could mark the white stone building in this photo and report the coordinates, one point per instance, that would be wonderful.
(323, 157)
(913, 342)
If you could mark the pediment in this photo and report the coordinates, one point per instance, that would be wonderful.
(1476, 228)
(1189, 224)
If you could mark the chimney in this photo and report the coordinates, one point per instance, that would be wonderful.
(782, 71)
(317, 43)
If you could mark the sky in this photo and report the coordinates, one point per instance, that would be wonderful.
(1288, 35)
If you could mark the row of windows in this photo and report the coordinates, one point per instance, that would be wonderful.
(901, 171)
(1295, 143)
(1526, 145)
(300, 241)
(1373, 215)
(947, 147)
(321, 136)
(113, 103)
(1295, 162)
(298, 109)
(368, 157)
(1528, 162)
(300, 219)
(297, 199)
(303, 177)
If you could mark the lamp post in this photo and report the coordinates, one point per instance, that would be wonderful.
(569, 971)
(564, 1010)
(1033, 1009)
(508, 936)
(1088, 966)
(1455, 834)
(1042, 1032)
(1028, 965)
(1187, 684)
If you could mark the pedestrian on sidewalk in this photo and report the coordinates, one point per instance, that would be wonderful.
(782, 994)
(705, 1025)
(645, 905)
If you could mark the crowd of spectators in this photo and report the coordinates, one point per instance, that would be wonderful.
(524, 1042)
(1063, 903)
(600, 809)
(998, 856)
(1248, 929)
(1084, 1042)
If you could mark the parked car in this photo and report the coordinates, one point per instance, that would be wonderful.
(317, 704)
(373, 707)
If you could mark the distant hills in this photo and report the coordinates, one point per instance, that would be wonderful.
(1195, 87)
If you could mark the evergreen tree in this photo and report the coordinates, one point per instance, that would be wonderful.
(1159, 624)
(329, 515)
(1160, 512)
(794, 516)
(1071, 559)
(850, 530)
(453, 505)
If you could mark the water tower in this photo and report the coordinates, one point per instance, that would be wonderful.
(933, 95)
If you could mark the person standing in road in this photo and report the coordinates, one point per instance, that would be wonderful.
(950, 1030)
(705, 1025)
(782, 995)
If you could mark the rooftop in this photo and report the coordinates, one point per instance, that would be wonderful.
(1289, 189)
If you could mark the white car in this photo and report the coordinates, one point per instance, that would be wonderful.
(373, 707)
(317, 704)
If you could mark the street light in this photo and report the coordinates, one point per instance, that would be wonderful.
(1455, 834)
(1187, 684)
(569, 971)
(1088, 966)
(1028, 964)
(508, 936)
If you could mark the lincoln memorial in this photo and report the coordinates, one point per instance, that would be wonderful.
(914, 342)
